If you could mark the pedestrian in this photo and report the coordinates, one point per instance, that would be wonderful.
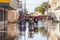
(30, 21)
(36, 21)
(35, 24)
(22, 24)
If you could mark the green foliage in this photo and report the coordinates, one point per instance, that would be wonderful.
(42, 8)
(45, 5)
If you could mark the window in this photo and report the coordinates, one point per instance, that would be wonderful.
(3, 15)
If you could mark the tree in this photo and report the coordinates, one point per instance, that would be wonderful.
(42, 8)
(45, 5)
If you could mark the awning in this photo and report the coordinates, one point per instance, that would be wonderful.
(9, 4)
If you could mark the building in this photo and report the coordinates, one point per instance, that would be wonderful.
(5, 7)
(10, 4)
(13, 16)
(55, 10)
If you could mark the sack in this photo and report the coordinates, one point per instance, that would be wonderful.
(12, 30)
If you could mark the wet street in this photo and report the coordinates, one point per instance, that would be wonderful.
(29, 19)
(34, 36)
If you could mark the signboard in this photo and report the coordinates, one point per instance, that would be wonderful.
(4, 1)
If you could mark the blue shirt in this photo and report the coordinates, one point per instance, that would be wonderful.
(22, 21)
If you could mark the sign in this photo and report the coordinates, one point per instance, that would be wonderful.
(4, 1)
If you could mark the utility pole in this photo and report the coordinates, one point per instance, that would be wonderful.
(47, 18)
(25, 7)
(25, 15)
(20, 7)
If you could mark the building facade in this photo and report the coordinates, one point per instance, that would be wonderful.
(55, 9)
(12, 4)
(6, 6)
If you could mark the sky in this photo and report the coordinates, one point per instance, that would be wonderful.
(31, 4)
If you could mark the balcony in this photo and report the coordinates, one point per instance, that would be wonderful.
(10, 4)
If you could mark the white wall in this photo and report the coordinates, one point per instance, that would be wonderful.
(57, 14)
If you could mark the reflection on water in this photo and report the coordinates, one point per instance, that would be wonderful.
(32, 35)
(29, 34)
(57, 29)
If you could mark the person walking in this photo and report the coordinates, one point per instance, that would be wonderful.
(35, 24)
(30, 21)
(22, 23)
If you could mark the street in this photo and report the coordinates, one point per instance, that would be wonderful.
(34, 36)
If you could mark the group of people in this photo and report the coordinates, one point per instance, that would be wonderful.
(33, 23)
